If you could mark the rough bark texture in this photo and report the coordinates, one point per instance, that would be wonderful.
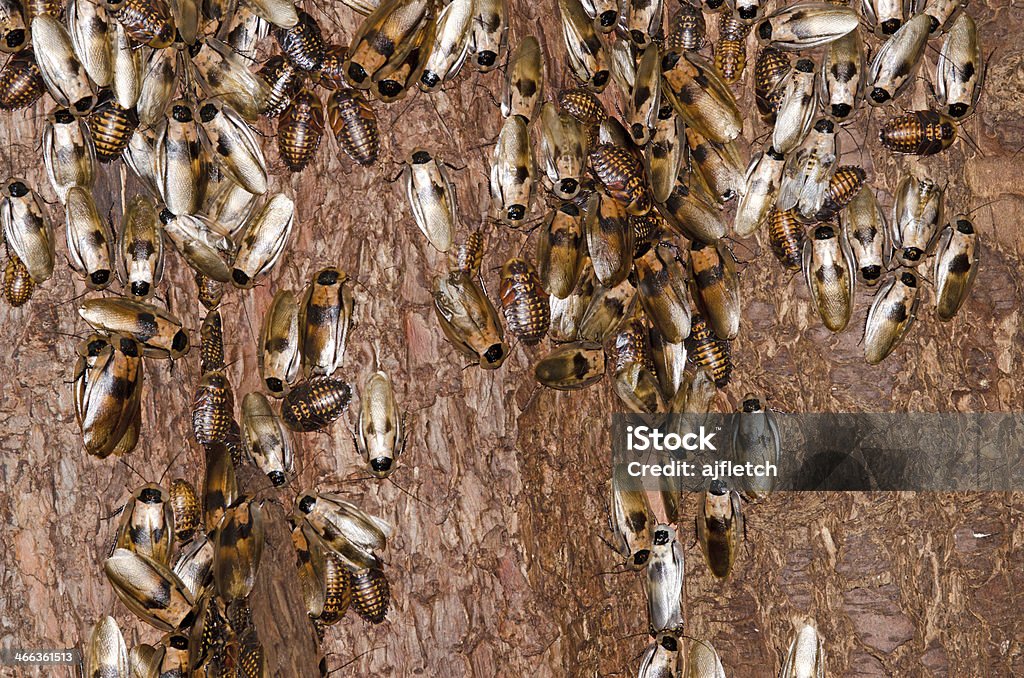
(498, 567)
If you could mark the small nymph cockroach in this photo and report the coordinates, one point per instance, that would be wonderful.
(264, 239)
(337, 583)
(27, 230)
(150, 590)
(381, 434)
(512, 170)
(645, 98)
(524, 301)
(731, 46)
(68, 153)
(451, 45)
(629, 345)
(692, 214)
(770, 68)
(468, 256)
(230, 141)
(715, 287)
(299, 129)
(786, 235)
(886, 15)
(126, 62)
(385, 37)
(760, 188)
(62, 72)
(208, 291)
(431, 198)
(891, 315)
(583, 105)
(806, 656)
(664, 582)
(864, 227)
(588, 58)
(90, 32)
(325, 319)
(720, 527)
(354, 125)
(204, 244)
(345, 529)
(17, 283)
(149, 22)
(661, 658)
(106, 653)
(313, 404)
(664, 154)
(211, 343)
(303, 43)
(21, 83)
(107, 390)
(841, 83)
(844, 185)
(90, 239)
(563, 151)
(918, 133)
(571, 366)
(661, 288)
(705, 102)
(560, 250)
(371, 594)
(805, 179)
(279, 357)
(267, 441)
(186, 509)
(828, 268)
(609, 239)
(283, 81)
(147, 524)
(237, 549)
(687, 30)
(706, 350)
(111, 127)
(807, 24)
(756, 440)
(631, 522)
(141, 248)
(621, 172)
(960, 71)
(917, 215)
(894, 65)
(718, 167)
(524, 83)
(795, 112)
(956, 265)
(469, 319)
(488, 33)
(213, 406)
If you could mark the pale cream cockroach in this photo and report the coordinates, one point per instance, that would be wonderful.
(588, 57)
(277, 12)
(524, 82)
(563, 151)
(89, 237)
(890, 317)
(488, 33)
(230, 141)
(703, 660)
(644, 21)
(68, 153)
(828, 268)
(664, 153)
(512, 170)
(756, 440)
(63, 74)
(761, 187)
(622, 60)
(90, 30)
(205, 244)
(718, 167)
(106, 653)
(147, 524)
(841, 83)
(380, 432)
(159, 332)
(645, 98)
(669, 360)
(664, 582)
(894, 65)
(865, 228)
(939, 11)
(229, 204)
(805, 25)
(631, 522)
(451, 45)
(637, 389)
(141, 247)
(432, 198)
(154, 593)
(917, 215)
(960, 71)
(266, 439)
(224, 74)
(126, 67)
(264, 239)
(159, 77)
(806, 656)
(956, 265)
(885, 15)
(385, 38)
(345, 529)
(796, 109)
(567, 313)
(808, 170)
(469, 320)
(178, 161)
(279, 358)
(194, 565)
(661, 658)
(27, 230)
(325, 319)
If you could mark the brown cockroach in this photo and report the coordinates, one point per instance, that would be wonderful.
(283, 82)
(524, 301)
(211, 343)
(21, 83)
(918, 133)
(112, 127)
(621, 171)
(786, 235)
(371, 594)
(313, 404)
(146, 21)
(354, 125)
(186, 508)
(17, 284)
(213, 406)
(843, 186)
(303, 43)
(299, 129)
(708, 351)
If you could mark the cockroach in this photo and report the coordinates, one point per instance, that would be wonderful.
(695, 397)
(846, 182)
(211, 344)
(150, 23)
(311, 565)
(266, 440)
(160, 75)
(488, 33)
(12, 27)
(187, 17)
(703, 660)
(27, 231)
(451, 45)
(631, 522)
(646, 228)
(960, 72)
(469, 319)
(691, 214)
(563, 151)
(886, 15)
(264, 239)
(622, 53)
(583, 105)
(864, 227)
(524, 84)
(90, 37)
(62, 72)
(828, 268)
(283, 81)
(645, 98)
(230, 141)
(524, 301)
(68, 153)
(806, 656)
(621, 172)
(174, 663)
(664, 582)
(708, 351)
(630, 343)
(337, 591)
(17, 284)
(841, 82)
(186, 510)
(770, 69)
(229, 205)
(37, 8)
(571, 367)
(560, 249)
(661, 658)
(178, 163)
(281, 13)
(512, 170)
(956, 265)
(805, 25)
(213, 405)
(220, 485)
(220, 72)
(237, 549)
(395, 79)
(890, 317)
(141, 248)
(755, 440)
(661, 287)
(313, 404)
(687, 29)
(106, 653)
(300, 129)
(760, 188)
(381, 434)
(303, 43)
(587, 56)
(731, 47)
(715, 287)
(325, 319)
(126, 62)
(718, 167)
(669, 361)
(786, 235)
(918, 133)
(204, 244)
(21, 83)
(794, 114)
(147, 524)
(143, 660)
(917, 215)
(720, 527)
(354, 125)
(609, 239)
(664, 153)
(385, 37)
(469, 255)
(371, 594)
(279, 358)
(609, 307)
(208, 291)
(567, 314)
(154, 593)
(111, 128)
(90, 240)
(344, 529)
(894, 65)
(637, 389)
(644, 21)
(252, 660)
(703, 100)
(107, 391)
(331, 75)
(939, 12)
(432, 198)
(808, 170)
